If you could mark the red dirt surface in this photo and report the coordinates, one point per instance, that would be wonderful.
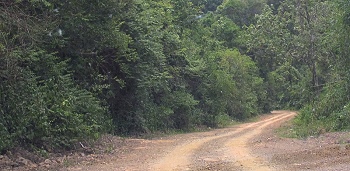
(249, 146)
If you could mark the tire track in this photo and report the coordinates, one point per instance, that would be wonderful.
(181, 157)
(240, 149)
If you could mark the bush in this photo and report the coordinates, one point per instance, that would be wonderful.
(67, 115)
(330, 112)
(44, 107)
(306, 124)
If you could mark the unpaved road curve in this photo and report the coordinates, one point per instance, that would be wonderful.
(228, 150)
(246, 147)
(221, 149)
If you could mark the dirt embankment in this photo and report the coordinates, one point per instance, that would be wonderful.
(250, 146)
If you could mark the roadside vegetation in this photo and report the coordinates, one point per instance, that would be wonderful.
(73, 70)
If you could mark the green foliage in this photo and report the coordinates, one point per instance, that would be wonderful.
(286, 87)
(300, 50)
(207, 5)
(44, 107)
(241, 12)
(329, 113)
(285, 40)
(72, 112)
(305, 125)
(225, 30)
(180, 78)
(232, 88)
(223, 120)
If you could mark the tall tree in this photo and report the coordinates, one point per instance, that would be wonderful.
(295, 37)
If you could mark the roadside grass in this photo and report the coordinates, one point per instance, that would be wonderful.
(287, 130)
(292, 130)
(296, 129)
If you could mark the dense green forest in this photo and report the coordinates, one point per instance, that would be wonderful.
(76, 69)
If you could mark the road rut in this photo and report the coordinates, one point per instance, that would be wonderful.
(226, 149)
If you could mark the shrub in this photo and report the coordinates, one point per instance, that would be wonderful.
(44, 107)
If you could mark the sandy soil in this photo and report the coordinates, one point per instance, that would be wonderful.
(250, 146)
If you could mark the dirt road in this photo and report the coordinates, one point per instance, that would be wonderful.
(222, 149)
(246, 147)
(226, 149)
